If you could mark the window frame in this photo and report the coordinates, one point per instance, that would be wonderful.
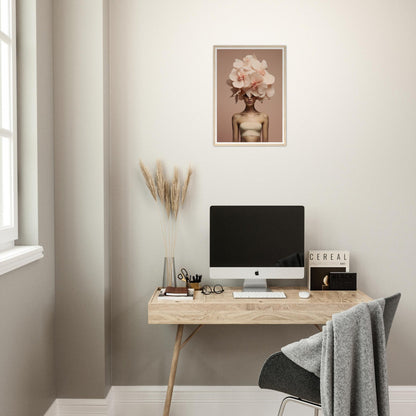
(9, 234)
(14, 256)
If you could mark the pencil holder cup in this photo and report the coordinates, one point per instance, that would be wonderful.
(196, 286)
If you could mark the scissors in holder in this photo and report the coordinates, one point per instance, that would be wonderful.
(184, 275)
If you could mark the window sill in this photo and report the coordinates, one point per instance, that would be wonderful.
(19, 256)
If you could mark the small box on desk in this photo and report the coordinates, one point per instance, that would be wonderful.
(342, 281)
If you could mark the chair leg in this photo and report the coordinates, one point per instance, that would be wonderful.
(315, 406)
(283, 405)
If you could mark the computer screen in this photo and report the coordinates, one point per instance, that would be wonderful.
(257, 242)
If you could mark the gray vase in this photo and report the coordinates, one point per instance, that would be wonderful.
(169, 275)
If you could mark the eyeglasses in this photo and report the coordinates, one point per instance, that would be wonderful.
(217, 289)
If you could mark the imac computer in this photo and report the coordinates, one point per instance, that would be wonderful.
(256, 243)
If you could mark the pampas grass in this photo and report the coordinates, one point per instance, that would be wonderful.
(170, 196)
(149, 180)
(160, 180)
(186, 184)
(175, 193)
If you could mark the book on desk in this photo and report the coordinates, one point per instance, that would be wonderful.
(163, 296)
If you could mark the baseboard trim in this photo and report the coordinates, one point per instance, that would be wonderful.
(53, 409)
(204, 401)
(403, 398)
(193, 394)
(86, 407)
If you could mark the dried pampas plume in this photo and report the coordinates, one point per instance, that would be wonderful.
(171, 196)
(186, 184)
(166, 199)
(149, 180)
(160, 181)
(175, 193)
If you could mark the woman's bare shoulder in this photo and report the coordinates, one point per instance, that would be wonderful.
(237, 116)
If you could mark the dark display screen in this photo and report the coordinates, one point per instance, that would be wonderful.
(257, 236)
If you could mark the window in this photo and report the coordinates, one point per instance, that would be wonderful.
(8, 140)
(11, 256)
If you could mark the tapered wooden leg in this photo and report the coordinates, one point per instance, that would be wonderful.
(173, 367)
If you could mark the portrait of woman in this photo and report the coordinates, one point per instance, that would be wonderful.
(249, 96)
(250, 81)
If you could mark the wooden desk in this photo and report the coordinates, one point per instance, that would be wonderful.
(224, 309)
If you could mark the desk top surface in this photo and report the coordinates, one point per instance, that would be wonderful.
(224, 309)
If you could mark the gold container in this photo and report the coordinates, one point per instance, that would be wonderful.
(196, 286)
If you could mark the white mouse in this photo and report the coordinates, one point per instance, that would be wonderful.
(304, 295)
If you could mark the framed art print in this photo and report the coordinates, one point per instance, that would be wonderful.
(249, 95)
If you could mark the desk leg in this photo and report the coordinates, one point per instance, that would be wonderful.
(173, 367)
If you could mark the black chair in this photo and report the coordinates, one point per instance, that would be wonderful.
(282, 374)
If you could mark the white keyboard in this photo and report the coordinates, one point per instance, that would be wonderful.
(259, 295)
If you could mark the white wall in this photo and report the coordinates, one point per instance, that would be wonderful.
(351, 100)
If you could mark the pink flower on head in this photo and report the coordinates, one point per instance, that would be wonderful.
(250, 77)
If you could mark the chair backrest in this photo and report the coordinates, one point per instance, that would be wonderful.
(389, 311)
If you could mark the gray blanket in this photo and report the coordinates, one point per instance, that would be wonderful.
(349, 357)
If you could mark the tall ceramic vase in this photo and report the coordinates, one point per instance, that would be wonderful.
(169, 275)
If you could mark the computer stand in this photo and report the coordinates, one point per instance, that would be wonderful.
(255, 285)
